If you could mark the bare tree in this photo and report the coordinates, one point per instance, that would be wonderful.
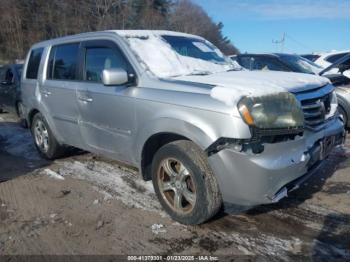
(24, 22)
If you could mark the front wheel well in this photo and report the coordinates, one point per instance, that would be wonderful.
(151, 146)
(31, 116)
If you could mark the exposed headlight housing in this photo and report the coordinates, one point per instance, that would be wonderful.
(275, 111)
(333, 105)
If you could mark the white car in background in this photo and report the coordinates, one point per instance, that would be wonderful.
(326, 59)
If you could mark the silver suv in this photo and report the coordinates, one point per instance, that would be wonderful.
(207, 133)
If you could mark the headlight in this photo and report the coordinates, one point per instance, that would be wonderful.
(280, 110)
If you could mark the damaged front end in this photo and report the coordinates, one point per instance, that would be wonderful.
(277, 159)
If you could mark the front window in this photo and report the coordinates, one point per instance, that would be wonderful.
(177, 55)
(99, 58)
(301, 64)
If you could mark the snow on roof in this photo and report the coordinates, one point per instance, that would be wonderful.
(145, 33)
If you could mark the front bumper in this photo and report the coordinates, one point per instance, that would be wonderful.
(248, 179)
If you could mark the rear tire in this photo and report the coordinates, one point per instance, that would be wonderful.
(184, 183)
(44, 139)
(20, 113)
(345, 116)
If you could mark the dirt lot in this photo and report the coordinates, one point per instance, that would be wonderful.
(85, 204)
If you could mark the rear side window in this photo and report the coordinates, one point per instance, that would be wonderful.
(33, 63)
(99, 58)
(63, 62)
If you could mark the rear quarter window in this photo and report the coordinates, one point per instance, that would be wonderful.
(33, 63)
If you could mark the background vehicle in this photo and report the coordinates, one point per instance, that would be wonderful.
(326, 59)
(311, 57)
(10, 90)
(295, 63)
(174, 106)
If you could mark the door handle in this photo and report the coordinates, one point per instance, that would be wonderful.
(45, 93)
(86, 99)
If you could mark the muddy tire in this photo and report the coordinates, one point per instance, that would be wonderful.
(20, 113)
(345, 116)
(184, 183)
(44, 139)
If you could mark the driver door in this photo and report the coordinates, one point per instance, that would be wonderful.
(106, 112)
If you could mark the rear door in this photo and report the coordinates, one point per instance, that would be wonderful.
(59, 91)
(106, 112)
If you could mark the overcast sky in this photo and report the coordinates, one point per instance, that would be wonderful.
(310, 25)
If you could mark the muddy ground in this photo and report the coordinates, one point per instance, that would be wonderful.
(86, 204)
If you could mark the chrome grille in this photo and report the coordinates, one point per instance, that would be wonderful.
(316, 104)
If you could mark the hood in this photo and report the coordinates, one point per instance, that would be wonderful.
(260, 81)
(231, 86)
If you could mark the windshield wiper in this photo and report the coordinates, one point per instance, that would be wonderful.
(234, 69)
(199, 73)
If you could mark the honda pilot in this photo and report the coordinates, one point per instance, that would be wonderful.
(207, 133)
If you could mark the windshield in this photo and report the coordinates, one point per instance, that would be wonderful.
(301, 64)
(195, 48)
(172, 55)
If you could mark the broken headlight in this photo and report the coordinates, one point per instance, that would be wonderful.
(275, 111)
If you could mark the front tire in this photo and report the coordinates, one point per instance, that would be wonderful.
(44, 139)
(184, 183)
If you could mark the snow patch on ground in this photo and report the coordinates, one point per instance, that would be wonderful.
(52, 174)
(262, 244)
(18, 141)
(158, 228)
(126, 186)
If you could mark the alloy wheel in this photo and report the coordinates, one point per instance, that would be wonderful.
(176, 185)
(41, 135)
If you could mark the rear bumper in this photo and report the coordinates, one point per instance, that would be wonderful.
(248, 179)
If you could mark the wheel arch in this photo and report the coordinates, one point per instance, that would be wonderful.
(342, 103)
(153, 137)
(31, 115)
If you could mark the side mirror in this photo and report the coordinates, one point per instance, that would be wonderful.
(114, 77)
